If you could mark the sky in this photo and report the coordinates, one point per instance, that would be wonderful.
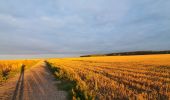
(83, 26)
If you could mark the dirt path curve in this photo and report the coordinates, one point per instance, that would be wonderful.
(35, 84)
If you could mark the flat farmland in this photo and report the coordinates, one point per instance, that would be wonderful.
(116, 77)
(9, 68)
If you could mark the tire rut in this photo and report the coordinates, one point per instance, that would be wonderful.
(35, 84)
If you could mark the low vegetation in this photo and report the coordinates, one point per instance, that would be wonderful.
(130, 53)
(116, 77)
(9, 68)
(71, 82)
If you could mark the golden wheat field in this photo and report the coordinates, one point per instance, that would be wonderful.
(9, 68)
(118, 77)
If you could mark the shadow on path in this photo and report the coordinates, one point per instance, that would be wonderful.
(19, 89)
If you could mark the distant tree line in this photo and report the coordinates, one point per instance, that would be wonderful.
(129, 53)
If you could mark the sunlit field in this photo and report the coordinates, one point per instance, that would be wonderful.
(117, 77)
(9, 68)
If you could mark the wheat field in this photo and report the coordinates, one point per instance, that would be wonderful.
(118, 77)
(8, 68)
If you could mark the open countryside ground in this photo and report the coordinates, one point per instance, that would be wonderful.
(118, 77)
(35, 83)
(101, 78)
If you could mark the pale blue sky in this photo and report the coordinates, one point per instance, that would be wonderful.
(83, 26)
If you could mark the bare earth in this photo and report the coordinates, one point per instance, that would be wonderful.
(35, 84)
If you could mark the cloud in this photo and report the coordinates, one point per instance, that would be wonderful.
(75, 27)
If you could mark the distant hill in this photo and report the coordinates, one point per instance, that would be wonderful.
(129, 53)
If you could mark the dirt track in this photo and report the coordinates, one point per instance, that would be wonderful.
(35, 84)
